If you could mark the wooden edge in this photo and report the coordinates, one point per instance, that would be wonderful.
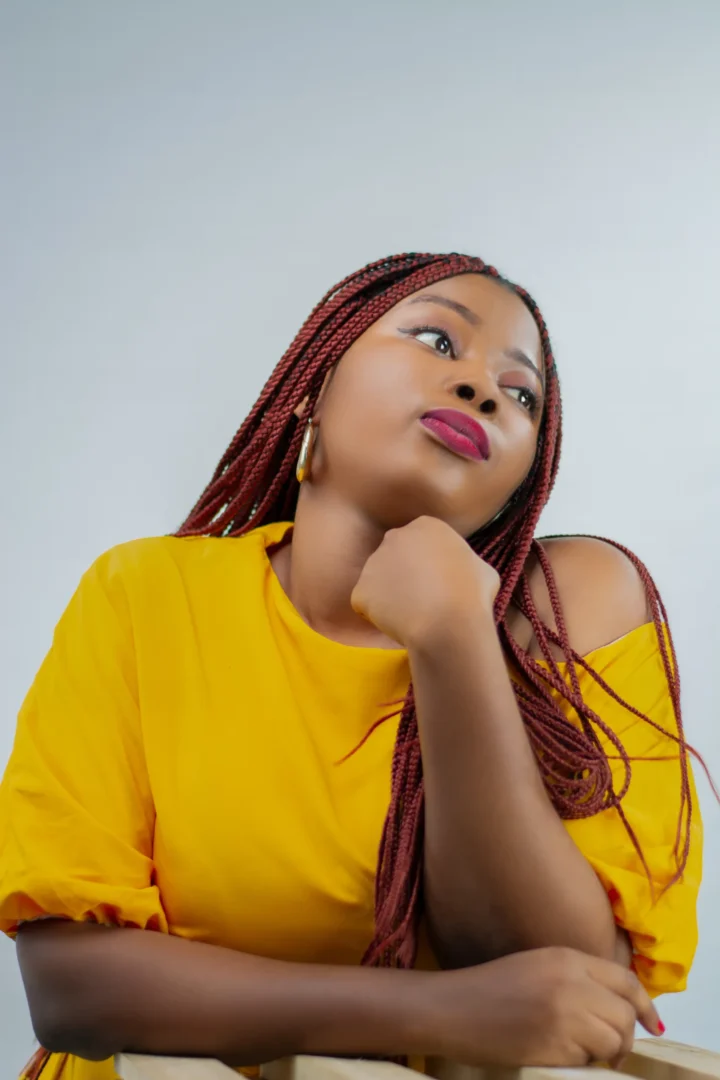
(441, 1069)
(660, 1059)
(650, 1059)
(148, 1067)
(327, 1068)
(319, 1068)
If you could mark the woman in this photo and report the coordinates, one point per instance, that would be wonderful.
(354, 644)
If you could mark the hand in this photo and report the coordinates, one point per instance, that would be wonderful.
(423, 576)
(550, 1006)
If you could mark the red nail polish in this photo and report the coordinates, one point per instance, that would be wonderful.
(613, 895)
(661, 1027)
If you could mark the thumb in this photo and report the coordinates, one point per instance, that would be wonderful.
(357, 599)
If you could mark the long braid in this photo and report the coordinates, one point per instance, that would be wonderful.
(254, 484)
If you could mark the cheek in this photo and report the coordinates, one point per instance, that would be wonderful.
(521, 449)
(369, 393)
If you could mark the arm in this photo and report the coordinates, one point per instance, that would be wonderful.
(502, 873)
(94, 991)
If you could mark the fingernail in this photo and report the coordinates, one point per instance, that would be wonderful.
(661, 1027)
(613, 895)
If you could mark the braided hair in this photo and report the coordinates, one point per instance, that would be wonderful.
(255, 484)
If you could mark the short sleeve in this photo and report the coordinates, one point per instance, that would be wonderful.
(76, 811)
(661, 922)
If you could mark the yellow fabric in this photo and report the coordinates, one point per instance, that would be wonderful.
(175, 767)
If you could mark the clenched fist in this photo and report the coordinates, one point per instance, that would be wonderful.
(421, 579)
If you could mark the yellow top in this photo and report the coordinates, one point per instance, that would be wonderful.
(175, 768)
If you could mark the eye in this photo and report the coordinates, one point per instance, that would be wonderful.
(525, 397)
(436, 338)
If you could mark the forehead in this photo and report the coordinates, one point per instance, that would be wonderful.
(496, 307)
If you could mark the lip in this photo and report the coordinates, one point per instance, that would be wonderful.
(459, 432)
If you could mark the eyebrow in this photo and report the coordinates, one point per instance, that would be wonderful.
(470, 317)
(444, 301)
(523, 358)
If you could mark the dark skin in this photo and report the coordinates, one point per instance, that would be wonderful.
(378, 558)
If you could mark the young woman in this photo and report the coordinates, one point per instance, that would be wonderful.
(353, 764)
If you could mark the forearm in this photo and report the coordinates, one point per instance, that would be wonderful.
(501, 872)
(95, 991)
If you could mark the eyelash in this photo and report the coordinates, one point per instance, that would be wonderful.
(533, 404)
(415, 332)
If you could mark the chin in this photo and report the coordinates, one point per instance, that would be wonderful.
(395, 504)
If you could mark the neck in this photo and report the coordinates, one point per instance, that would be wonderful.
(320, 567)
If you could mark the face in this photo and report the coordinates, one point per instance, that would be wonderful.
(435, 409)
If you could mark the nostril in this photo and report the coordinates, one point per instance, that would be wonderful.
(488, 407)
(465, 392)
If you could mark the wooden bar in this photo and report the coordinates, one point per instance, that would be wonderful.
(651, 1059)
(660, 1059)
(147, 1067)
(442, 1069)
(327, 1068)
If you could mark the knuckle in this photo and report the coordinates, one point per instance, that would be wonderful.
(614, 1044)
(636, 990)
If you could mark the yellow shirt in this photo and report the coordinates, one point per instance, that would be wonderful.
(176, 768)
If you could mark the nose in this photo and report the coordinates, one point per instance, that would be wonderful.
(466, 392)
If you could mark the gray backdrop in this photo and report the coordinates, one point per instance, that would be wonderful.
(182, 180)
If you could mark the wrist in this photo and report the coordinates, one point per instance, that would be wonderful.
(444, 1014)
(461, 626)
(372, 1012)
(424, 1020)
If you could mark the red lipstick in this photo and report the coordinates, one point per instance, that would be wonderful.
(459, 432)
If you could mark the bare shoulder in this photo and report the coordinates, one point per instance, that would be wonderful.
(601, 592)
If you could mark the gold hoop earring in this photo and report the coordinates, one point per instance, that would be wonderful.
(304, 461)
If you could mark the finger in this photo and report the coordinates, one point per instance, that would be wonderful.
(357, 600)
(600, 1040)
(626, 984)
(620, 1015)
(572, 1056)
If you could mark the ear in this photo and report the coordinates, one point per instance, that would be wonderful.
(300, 410)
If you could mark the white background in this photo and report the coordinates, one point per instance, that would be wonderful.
(182, 180)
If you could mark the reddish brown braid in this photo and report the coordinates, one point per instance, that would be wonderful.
(255, 484)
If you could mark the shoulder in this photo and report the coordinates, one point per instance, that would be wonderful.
(133, 558)
(154, 567)
(601, 592)
(126, 570)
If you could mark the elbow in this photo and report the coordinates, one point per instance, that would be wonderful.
(70, 1009)
(62, 1029)
(462, 950)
